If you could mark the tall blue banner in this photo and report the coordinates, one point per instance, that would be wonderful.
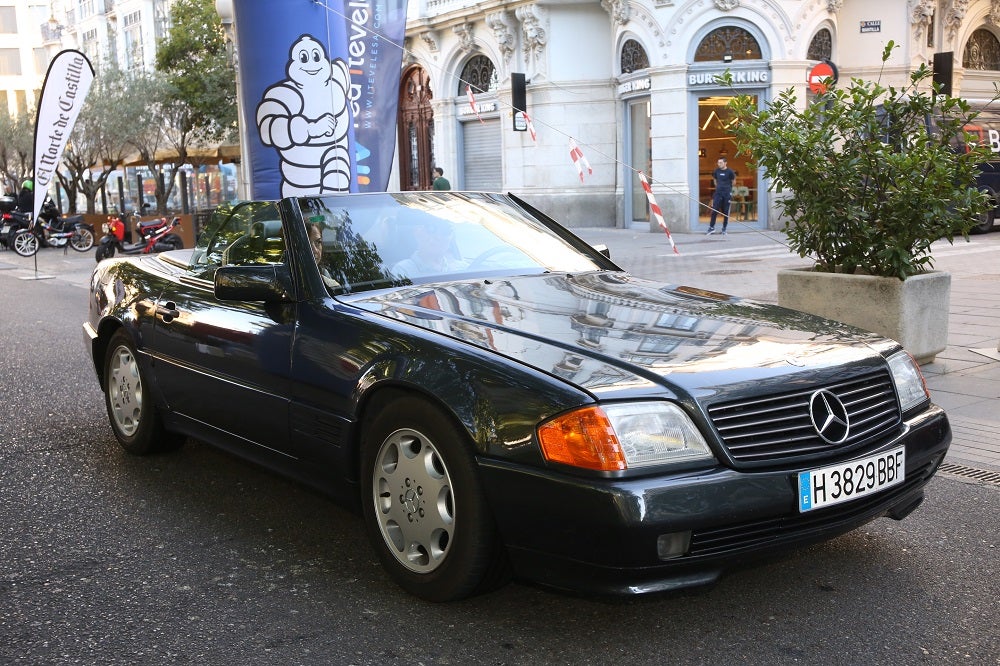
(319, 84)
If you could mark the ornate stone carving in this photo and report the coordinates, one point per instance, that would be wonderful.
(503, 31)
(618, 9)
(833, 6)
(430, 39)
(954, 15)
(921, 11)
(409, 57)
(727, 5)
(534, 24)
(465, 38)
(994, 16)
(921, 15)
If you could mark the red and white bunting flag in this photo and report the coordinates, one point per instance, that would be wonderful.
(531, 127)
(472, 102)
(655, 208)
(579, 161)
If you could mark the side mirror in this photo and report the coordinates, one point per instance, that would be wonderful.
(271, 283)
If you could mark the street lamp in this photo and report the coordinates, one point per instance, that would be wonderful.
(52, 30)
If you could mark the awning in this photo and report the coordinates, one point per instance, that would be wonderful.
(195, 155)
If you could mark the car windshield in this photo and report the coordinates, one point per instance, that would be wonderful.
(374, 241)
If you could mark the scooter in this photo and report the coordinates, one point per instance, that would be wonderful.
(25, 236)
(154, 236)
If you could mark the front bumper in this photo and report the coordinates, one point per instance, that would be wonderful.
(601, 535)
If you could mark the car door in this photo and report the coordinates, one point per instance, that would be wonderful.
(225, 364)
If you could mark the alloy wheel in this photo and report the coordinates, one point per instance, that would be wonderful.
(413, 498)
(125, 390)
(82, 240)
(25, 243)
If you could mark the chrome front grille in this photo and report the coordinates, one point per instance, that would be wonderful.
(777, 427)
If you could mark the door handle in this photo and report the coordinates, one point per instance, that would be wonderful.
(168, 312)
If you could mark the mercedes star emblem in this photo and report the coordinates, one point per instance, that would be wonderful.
(829, 417)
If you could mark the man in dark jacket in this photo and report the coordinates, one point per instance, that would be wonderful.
(723, 178)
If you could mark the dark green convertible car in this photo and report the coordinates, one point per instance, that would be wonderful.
(499, 399)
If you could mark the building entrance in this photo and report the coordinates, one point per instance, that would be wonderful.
(715, 140)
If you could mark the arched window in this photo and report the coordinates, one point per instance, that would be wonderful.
(479, 73)
(821, 46)
(982, 51)
(634, 57)
(728, 43)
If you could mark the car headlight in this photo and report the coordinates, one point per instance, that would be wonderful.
(622, 436)
(909, 381)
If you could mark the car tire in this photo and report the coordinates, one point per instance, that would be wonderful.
(423, 503)
(24, 243)
(82, 240)
(984, 224)
(134, 418)
(175, 241)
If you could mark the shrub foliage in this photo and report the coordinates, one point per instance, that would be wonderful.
(868, 175)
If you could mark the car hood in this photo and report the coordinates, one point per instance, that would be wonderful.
(610, 332)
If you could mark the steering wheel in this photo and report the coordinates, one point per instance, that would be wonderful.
(487, 255)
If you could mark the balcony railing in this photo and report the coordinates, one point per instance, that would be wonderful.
(435, 7)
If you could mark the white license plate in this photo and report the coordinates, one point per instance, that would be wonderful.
(847, 481)
(4, 229)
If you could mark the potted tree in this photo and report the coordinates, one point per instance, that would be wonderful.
(867, 177)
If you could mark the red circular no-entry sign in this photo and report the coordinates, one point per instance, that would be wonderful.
(819, 74)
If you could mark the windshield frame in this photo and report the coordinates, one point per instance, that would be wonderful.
(368, 239)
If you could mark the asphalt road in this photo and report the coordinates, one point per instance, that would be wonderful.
(196, 557)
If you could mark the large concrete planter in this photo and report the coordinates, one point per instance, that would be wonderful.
(913, 311)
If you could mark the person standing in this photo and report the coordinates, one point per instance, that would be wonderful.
(440, 182)
(723, 178)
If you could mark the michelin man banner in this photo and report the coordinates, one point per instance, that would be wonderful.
(320, 83)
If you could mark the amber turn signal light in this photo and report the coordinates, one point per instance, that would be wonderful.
(582, 438)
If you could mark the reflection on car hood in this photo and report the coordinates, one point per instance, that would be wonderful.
(609, 331)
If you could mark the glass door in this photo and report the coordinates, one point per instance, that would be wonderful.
(640, 158)
(715, 141)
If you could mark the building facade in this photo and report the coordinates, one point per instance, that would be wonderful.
(33, 31)
(633, 84)
(23, 57)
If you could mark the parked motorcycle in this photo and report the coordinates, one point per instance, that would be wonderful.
(25, 236)
(55, 228)
(154, 236)
(11, 220)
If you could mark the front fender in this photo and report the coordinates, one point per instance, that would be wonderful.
(497, 402)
